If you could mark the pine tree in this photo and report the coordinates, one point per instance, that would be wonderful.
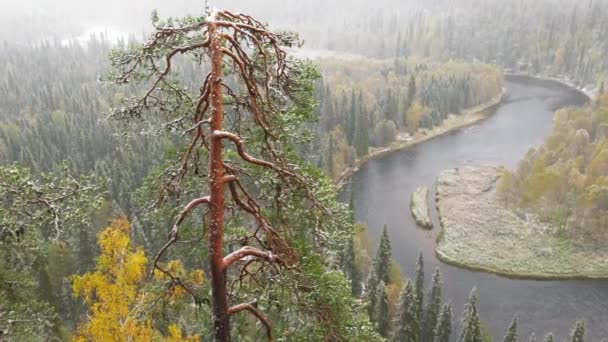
(578, 333)
(361, 139)
(420, 284)
(382, 261)
(549, 338)
(381, 317)
(443, 330)
(471, 328)
(352, 116)
(380, 270)
(532, 338)
(407, 324)
(433, 308)
(350, 268)
(411, 93)
(370, 292)
(511, 335)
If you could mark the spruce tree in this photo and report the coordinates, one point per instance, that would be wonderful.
(407, 324)
(471, 328)
(511, 335)
(361, 139)
(420, 284)
(443, 330)
(411, 91)
(350, 268)
(433, 309)
(380, 270)
(381, 317)
(532, 338)
(578, 333)
(382, 261)
(370, 292)
(352, 116)
(549, 338)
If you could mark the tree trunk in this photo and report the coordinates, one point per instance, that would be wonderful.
(216, 195)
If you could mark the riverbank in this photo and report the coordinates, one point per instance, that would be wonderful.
(590, 93)
(466, 118)
(479, 233)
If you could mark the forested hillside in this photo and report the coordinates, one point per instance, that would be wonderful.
(565, 180)
(183, 187)
(367, 103)
(54, 111)
(551, 37)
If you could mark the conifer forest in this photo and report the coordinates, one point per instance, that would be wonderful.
(282, 170)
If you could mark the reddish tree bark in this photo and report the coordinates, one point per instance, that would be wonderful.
(239, 43)
(216, 193)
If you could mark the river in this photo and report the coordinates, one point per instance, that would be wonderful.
(382, 188)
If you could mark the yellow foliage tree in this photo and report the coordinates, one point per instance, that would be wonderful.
(414, 115)
(113, 292)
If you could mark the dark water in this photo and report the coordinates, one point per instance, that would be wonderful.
(381, 192)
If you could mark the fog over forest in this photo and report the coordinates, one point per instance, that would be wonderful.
(288, 170)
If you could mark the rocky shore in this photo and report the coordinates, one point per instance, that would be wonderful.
(419, 205)
(479, 233)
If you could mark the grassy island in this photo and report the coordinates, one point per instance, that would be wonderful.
(479, 233)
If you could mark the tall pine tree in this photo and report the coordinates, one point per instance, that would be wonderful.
(381, 311)
(511, 335)
(549, 338)
(407, 324)
(420, 284)
(349, 265)
(371, 289)
(350, 268)
(443, 330)
(382, 261)
(433, 309)
(380, 270)
(471, 327)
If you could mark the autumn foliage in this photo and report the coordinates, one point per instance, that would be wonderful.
(566, 179)
(114, 293)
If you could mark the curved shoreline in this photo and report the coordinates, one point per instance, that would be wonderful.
(474, 114)
(517, 275)
(473, 224)
(589, 94)
(467, 117)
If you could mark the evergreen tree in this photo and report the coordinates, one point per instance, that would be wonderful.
(532, 338)
(380, 270)
(411, 91)
(382, 261)
(381, 317)
(352, 117)
(549, 338)
(443, 330)
(370, 292)
(511, 335)
(578, 333)
(361, 139)
(350, 268)
(407, 324)
(433, 308)
(471, 327)
(420, 284)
